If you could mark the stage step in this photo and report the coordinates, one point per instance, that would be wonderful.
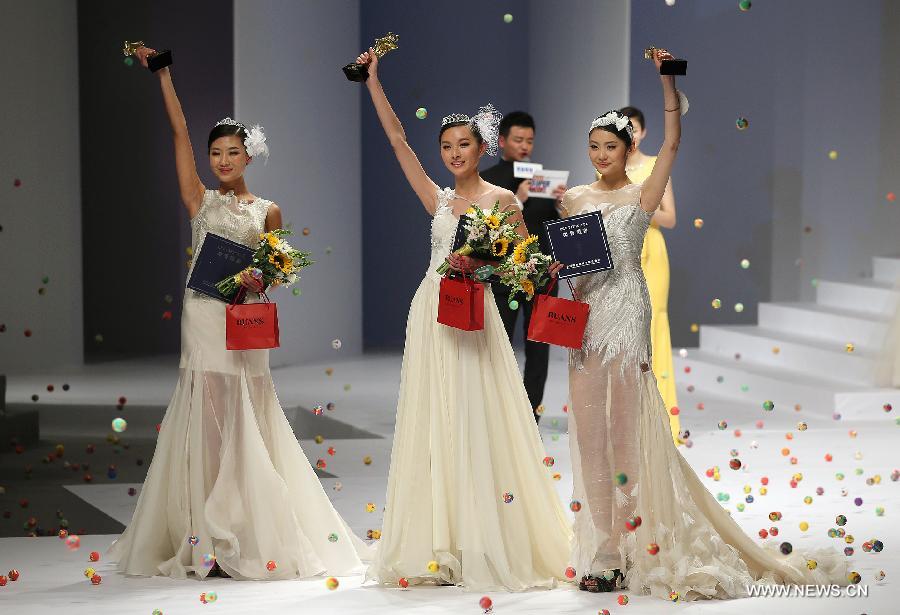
(781, 350)
(815, 394)
(821, 322)
(886, 269)
(869, 296)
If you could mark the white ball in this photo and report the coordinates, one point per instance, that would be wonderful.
(670, 2)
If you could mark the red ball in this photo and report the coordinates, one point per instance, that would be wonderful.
(13, 575)
(96, 579)
(94, 556)
(764, 480)
(27, 332)
(773, 531)
(570, 573)
(403, 582)
(3, 580)
(674, 411)
(485, 603)
(828, 457)
(763, 533)
(88, 477)
(271, 565)
(23, 503)
(50, 388)
(122, 401)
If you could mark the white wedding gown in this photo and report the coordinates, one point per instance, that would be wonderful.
(624, 461)
(465, 435)
(227, 468)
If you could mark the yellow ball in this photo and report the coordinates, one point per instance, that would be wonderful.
(849, 347)
(332, 583)
(763, 490)
(433, 566)
(694, 327)
(698, 223)
(370, 507)
(89, 572)
(319, 439)
(716, 303)
(811, 564)
(804, 526)
(367, 460)
(833, 154)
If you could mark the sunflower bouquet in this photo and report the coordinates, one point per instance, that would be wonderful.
(275, 263)
(526, 269)
(488, 235)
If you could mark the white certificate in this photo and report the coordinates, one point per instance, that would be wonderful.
(525, 170)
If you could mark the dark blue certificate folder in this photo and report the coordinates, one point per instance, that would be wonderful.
(580, 244)
(218, 259)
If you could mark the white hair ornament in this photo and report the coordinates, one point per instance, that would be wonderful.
(486, 122)
(620, 121)
(255, 142)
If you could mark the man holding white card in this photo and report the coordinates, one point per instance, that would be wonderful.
(540, 192)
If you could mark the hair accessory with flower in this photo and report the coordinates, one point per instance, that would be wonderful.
(620, 121)
(255, 143)
(486, 122)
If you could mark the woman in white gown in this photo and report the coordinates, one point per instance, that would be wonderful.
(465, 433)
(229, 489)
(627, 471)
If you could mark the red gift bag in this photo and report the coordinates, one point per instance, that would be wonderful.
(251, 326)
(461, 304)
(558, 321)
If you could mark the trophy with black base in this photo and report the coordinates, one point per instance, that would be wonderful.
(360, 72)
(667, 67)
(155, 62)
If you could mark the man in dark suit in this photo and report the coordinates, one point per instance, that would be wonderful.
(516, 143)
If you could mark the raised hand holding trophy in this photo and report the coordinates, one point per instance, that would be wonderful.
(671, 66)
(155, 62)
(360, 72)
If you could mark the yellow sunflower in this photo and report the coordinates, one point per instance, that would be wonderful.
(519, 255)
(493, 221)
(528, 287)
(281, 261)
(272, 239)
(499, 247)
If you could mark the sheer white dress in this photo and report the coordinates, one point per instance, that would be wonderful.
(227, 468)
(625, 463)
(465, 435)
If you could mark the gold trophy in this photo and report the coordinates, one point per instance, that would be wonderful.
(360, 72)
(158, 60)
(667, 67)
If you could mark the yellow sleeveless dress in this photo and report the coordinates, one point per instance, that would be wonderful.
(655, 263)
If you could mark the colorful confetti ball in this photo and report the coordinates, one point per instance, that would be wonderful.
(403, 582)
(879, 576)
(211, 596)
(508, 497)
(745, 5)
(575, 506)
(622, 599)
(208, 560)
(320, 464)
(745, 264)
(317, 410)
(840, 520)
(336, 344)
(741, 123)
(738, 307)
(370, 507)
(716, 303)
(698, 223)
(119, 425)
(832, 155)
(653, 548)
(193, 540)
(674, 596)
(723, 425)
(549, 461)
(433, 566)
(877, 546)
(854, 577)
(768, 405)
(271, 565)
(879, 511)
(507, 18)
(485, 602)
(421, 113)
(633, 523)
(73, 542)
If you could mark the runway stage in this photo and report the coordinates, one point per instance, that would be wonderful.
(364, 391)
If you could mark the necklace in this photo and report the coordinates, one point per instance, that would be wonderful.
(468, 200)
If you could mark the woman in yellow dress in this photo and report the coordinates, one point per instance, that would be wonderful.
(655, 263)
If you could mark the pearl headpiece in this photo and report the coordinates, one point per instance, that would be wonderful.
(255, 143)
(486, 122)
(620, 120)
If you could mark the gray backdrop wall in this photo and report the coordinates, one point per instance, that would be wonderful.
(287, 77)
(135, 229)
(770, 193)
(40, 219)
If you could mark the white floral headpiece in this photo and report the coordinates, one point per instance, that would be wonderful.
(486, 121)
(255, 143)
(620, 120)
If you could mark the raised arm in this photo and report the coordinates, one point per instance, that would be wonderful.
(189, 183)
(655, 185)
(425, 189)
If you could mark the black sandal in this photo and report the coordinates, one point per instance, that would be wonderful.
(595, 585)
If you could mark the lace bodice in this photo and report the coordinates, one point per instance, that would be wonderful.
(225, 215)
(443, 230)
(619, 320)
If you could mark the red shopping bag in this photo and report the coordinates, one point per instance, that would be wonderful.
(251, 326)
(558, 321)
(461, 304)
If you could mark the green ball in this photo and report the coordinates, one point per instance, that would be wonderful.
(621, 478)
(514, 305)
(745, 5)
(296, 292)
(45, 279)
(129, 61)
(742, 123)
(745, 264)
(508, 18)
(768, 405)
(421, 113)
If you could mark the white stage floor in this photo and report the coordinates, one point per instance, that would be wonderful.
(52, 577)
